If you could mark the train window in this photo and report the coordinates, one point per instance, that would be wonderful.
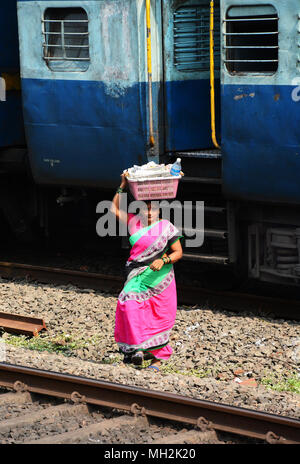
(66, 39)
(251, 40)
(191, 38)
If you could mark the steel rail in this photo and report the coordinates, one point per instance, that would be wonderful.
(26, 325)
(205, 415)
(186, 294)
(58, 275)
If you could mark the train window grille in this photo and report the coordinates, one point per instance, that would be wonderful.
(192, 38)
(251, 43)
(66, 39)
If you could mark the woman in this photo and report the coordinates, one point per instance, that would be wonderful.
(147, 305)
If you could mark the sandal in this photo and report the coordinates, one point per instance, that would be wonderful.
(153, 367)
(127, 359)
(138, 358)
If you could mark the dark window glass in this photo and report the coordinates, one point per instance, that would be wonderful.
(66, 39)
(251, 43)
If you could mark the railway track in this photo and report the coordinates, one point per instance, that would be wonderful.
(187, 295)
(69, 413)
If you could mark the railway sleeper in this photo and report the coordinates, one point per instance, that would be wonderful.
(86, 432)
(190, 437)
(15, 398)
(51, 412)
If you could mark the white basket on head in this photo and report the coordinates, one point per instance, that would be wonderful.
(154, 189)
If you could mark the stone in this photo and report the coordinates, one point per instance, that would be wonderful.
(238, 372)
(249, 383)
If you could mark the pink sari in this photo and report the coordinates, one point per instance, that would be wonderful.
(147, 305)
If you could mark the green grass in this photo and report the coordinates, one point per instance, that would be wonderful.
(112, 360)
(200, 373)
(170, 368)
(290, 384)
(63, 343)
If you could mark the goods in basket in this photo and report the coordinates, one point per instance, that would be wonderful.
(154, 181)
(152, 169)
(148, 170)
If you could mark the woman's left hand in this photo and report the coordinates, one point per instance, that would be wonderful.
(124, 181)
(157, 265)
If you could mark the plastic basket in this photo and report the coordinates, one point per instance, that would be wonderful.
(154, 189)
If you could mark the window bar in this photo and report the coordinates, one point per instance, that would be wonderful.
(46, 37)
(65, 20)
(250, 33)
(251, 61)
(193, 27)
(191, 63)
(57, 58)
(184, 49)
(66, 33)
(251, 19)
(249, 46)
(189, 34)
(66, 46)
(204, 41)
(191, 21)
(63, 39)
(45, 50)
(189, 52)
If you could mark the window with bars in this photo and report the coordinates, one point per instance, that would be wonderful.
(66, 39)
(251, 41)
(192, 38)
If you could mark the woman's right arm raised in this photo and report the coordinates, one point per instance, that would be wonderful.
(115, 206)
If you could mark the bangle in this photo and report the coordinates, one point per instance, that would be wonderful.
(170, 261)
(164, 260)
(120, 190)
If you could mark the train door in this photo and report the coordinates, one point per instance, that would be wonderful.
(186, 31)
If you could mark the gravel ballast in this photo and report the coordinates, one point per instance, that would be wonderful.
(218, 355)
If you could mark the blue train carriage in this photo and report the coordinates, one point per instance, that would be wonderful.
(97, 99)
(11, 117)
(260, 90)
(13, 166)
(90, 107)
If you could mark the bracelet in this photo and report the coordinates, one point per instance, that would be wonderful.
(120, 190)
(164, 260)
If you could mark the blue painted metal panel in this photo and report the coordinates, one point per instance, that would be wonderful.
(261, 143)
(79, 135)
(188, 109)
